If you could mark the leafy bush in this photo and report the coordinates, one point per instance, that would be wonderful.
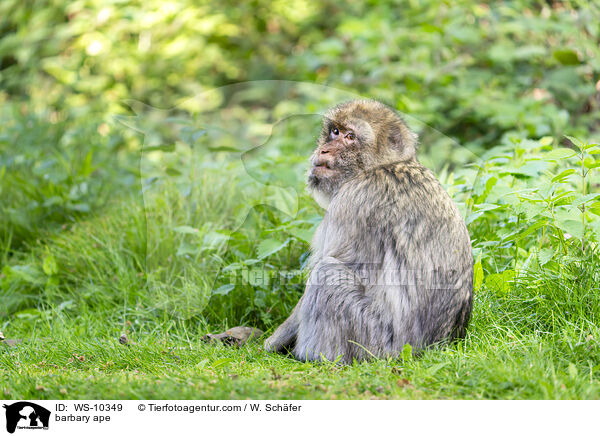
(533, 205)
(470, 69)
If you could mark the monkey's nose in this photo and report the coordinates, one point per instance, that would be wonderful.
(324, 151)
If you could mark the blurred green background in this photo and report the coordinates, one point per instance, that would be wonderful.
(474, 70)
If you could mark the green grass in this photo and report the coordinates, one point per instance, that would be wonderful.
(536, 338)
(496, 360)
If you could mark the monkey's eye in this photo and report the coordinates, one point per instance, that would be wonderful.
(351, 136)
(335, 131)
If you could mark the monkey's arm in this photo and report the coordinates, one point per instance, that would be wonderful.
(284, 336)
(336, 314)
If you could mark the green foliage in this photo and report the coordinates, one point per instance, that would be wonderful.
(470, 69)
(530, 205)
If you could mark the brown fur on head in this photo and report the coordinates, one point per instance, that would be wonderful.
(356, 136)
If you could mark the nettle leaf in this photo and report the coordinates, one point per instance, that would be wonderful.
(507, 234)
(585, 199)
(500, 282)
(532, 209)
(528, 144)
(484, 184)
(567, 213)
(564, 198)
(286, 200)
(481, 209)
(486, 206)
(498, 191)
(472, 217)
(594, 208)
(491, 182)
(519, 209)
(527, 264)
(25, 273)
(214, 239)
(576, 142)
(249, 262)
(531, 194)
(560, 178)
(545, 255)
(532, 228)
(235, 266)
(572, 227)
(530, 169)
(302, 234)
(269, 247)
(591, 163)
(593, 149)
(559, 153)
(223, 290)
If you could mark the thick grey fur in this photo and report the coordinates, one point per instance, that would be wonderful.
(391, 261)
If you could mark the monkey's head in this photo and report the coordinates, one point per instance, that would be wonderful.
(356, 136)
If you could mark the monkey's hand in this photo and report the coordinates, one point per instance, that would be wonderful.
(276, 344)
(284, 338)
(271, 344)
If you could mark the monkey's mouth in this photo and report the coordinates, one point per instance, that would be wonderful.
(321, 167)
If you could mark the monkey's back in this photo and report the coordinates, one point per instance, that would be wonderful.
(399, 230)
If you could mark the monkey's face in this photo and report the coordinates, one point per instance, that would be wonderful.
(340, 155)
(356, 136)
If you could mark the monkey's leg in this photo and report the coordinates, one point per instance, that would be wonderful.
(284, 337)
(335, 315)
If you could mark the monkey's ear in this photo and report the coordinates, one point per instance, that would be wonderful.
(403, 139)
(395, 137)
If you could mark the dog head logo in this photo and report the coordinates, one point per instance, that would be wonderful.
(26, 415)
